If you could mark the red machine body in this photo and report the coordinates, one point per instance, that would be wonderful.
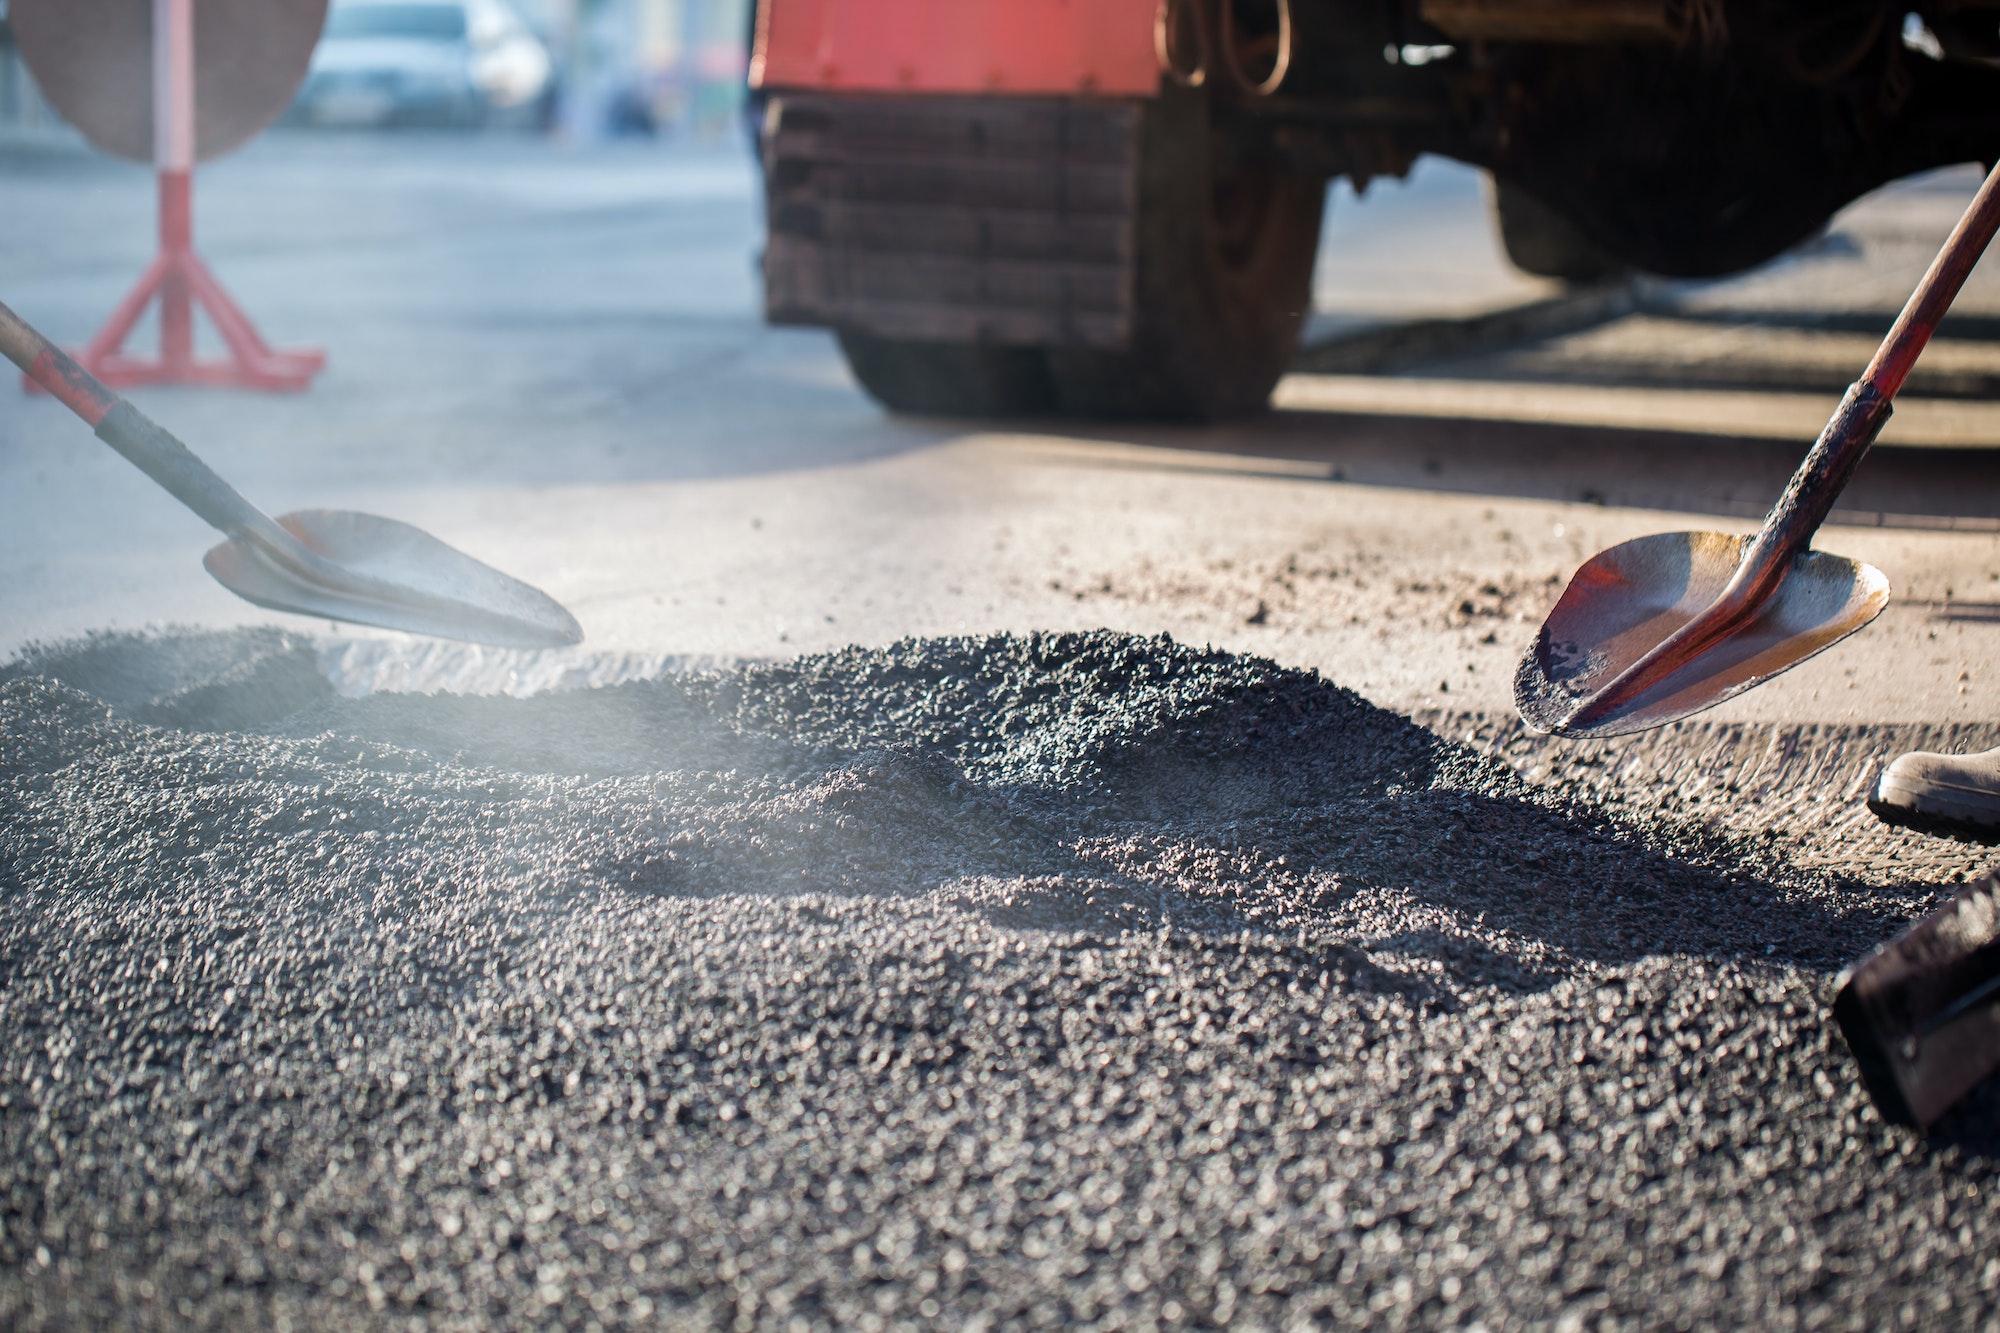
(1022, 47)
(1112, 208)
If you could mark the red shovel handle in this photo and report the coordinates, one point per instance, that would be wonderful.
(54, 369)
(1809, 497)
(1936, 292)
(132, 433)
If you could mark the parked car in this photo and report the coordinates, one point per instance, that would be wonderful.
(441, 62)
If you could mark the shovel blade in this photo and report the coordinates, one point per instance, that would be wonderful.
(1625, 601)
(407, 580)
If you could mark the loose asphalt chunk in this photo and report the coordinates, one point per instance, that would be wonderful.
(1066, 980)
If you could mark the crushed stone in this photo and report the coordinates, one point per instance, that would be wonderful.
(1011, 982)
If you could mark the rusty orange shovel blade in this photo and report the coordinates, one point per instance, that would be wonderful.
(1626, 601)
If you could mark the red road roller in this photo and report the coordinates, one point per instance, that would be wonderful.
(1111, 207)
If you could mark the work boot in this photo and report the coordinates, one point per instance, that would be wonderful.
(1957, 794)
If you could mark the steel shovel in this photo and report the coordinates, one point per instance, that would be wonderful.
(1655, 629)
(318, 562)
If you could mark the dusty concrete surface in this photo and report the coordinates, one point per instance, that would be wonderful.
(971, 983)
(553, 358)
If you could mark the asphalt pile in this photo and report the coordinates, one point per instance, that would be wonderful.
(1067, 980)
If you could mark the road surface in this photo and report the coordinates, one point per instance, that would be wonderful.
(1053, 876)
(554, 360)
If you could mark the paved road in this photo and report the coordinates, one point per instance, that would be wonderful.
(552, 358)
(1017, 979)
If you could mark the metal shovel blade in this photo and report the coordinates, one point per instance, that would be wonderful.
(1626, 601)
(393, 575)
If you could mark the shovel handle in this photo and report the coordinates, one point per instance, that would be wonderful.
(1940, 287)
(142, 441)
(52, 368)
(1809, 496)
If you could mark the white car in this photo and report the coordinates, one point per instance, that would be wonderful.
(453, 62)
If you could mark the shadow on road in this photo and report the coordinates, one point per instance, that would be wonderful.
(1696, 474)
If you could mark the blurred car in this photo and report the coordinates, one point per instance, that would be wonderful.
(448, 62)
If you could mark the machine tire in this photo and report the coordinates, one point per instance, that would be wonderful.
(1222, 278)
(1222, 282)
(950, 379)
(1543, 242)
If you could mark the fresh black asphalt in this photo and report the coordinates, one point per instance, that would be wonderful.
(1052, 981)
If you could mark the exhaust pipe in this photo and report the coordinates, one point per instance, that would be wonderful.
(1577, 21)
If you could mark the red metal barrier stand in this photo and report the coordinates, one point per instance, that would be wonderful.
(177, 278)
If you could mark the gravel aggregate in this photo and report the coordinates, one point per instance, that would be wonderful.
(1064, 980)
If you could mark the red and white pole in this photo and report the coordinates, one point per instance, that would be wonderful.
(177, 278)
(173, 157)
